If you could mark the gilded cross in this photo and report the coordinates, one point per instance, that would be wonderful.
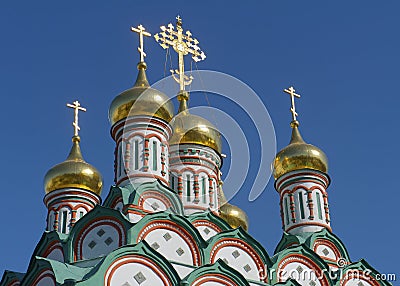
(291, 92)
(183, 44)
(142, 32)
(76, 106)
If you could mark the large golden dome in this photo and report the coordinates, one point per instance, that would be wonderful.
(148, 101)
(299, 155)
(193, 129)
(73, 173)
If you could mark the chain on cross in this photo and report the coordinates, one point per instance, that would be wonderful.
(183, 44)
(76, 106)
(291, 92)
(142, 32)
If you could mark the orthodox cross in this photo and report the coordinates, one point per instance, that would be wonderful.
(76, 106)
(183, 44)
(142, 32)
(291, 92)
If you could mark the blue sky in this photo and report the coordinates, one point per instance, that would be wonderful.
(342, 56)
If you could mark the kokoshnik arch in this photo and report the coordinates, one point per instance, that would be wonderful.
(166, 220)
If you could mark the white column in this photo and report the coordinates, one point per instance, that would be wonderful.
(141, 150)
(303, 201)
(194, 175)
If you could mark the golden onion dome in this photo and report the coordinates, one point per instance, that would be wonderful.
(74, 173)
(299, 155)
(232, 214)
(192, 129)
(146, 100)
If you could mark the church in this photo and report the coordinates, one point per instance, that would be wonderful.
(166, 221)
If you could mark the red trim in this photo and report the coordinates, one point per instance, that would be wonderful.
(315, 174)
(195, 207)
(288, 191)
(129, 211)
(116, 202)
(51, 247)
(116, 128)
(309, 223)
(141, 175)
(216, 278)
(321, 241)
(180, 186)
(42, 274)
(86, 194)
(211, 174)
(154, 195)
(203, 222)
(310, 204)
(14, 282)
(192, 157)
(292, 208)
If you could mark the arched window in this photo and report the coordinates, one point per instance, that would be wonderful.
(301, 203)
(286, 207)
(203, 189)
(136, 154)
(63, 219)
(81, 214)
(120, 160)
(215, 194)
(188, 188)
(172, 179)
(319, 209)
(155, 161)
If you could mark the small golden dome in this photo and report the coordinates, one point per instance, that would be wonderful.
(148, 101)
(192, 129)
(232, 214)
(299, 155)
(73, 173)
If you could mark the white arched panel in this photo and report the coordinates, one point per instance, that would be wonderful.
(206, 232)
(46, 281)
(326, 252)
(99, 239)
(135, 271)
(56, 254)
(46, 278)
(119, 206)
(238, 259)
(170, 244)
(154, 205)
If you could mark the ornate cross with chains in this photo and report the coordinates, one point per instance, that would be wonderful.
(76, 106)
(142, 32)
(183, 44)
(291, 92)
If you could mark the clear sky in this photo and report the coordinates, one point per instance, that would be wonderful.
(342, 56)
